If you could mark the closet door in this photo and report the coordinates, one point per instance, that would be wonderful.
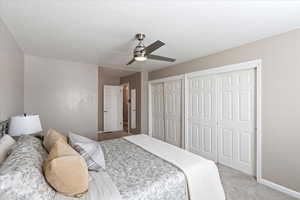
(158, 122)
(236, 142)
(172, 97)
(202, 119)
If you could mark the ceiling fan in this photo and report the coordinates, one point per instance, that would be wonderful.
(142, 53)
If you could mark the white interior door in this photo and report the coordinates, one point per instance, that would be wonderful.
(236, 120)
(172, 101)
(113, 108)
(202, 117)
(133, 108)
(158, 122)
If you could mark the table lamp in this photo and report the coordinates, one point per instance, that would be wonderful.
(24, 125)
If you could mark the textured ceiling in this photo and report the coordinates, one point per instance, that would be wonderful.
(102, 32)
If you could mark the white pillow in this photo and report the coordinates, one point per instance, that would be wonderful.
(89, 149)
(6, 143)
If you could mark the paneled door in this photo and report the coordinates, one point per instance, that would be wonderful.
(202, 117)
(236, 120)
(158, 122)
(133, 109)
(173, 117)
(221, 118)
(113, 108)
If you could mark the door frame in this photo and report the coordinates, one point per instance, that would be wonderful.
(254, 64)
(128, 105)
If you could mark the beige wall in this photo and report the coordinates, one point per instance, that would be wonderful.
(144, 103)
(104, 79)
(280, 100)
(135, 82)
(63, 93)
(11, 75)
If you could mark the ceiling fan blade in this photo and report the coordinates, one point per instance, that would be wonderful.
(152, 47)
(130, 62)
(155, 57)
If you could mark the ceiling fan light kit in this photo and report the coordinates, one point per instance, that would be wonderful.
(140, 58)
(142, 53)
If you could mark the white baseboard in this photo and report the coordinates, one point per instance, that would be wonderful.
(280, 188)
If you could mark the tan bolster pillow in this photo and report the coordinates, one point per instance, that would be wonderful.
(66, 170)
(51, 137)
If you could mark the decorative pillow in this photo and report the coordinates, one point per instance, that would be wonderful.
(21, 175)
(89, 149)
(6, 143)
(52, 137)
(66, 170)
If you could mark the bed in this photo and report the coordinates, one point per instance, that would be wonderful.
(142, 168)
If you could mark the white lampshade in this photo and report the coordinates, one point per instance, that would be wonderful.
(24, 125)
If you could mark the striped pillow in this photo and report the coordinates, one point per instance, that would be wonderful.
(91, 164)
(90, 150)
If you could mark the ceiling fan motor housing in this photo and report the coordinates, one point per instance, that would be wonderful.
(140, 36)
(139, 51)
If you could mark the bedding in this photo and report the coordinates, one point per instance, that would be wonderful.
(21, 175)
(202, 175)
(140, 175)
(137, 168)
(101, 187)
(134, 174)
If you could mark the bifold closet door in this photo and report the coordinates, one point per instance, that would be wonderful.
(202, 119)
(221, 118)
(236, 120)
(173, 114)
(158, 122)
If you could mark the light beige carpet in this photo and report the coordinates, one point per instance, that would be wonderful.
(239, 186)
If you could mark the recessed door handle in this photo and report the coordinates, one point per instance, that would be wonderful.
(105, 111)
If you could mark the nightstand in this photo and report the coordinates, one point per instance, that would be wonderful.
(112, 135)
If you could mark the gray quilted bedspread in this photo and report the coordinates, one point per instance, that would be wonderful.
(140, 175)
